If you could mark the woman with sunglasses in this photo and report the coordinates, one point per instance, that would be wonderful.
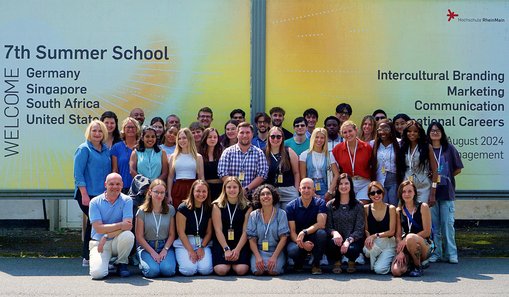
(155, 233)
(380, 226)
(283, 167)
(449, 165)
(319, 165)
(345, 224)
(385, 150)
(413, 230)
(417, 163)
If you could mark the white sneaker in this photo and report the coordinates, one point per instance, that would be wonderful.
(360, 260)
(85, 263)
(324, 261)
(311, 259)
(344, 260)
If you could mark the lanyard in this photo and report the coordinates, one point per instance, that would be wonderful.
(198, 222)
(411, 157)
(245, 158)
(439, 155)
(278, 161)
(409, 218)
(318, 159)
(158, 224)
(270, 221)
(352, 161)
(386, 162)
(230, 214)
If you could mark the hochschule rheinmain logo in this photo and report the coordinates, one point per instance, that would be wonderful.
(452, 15)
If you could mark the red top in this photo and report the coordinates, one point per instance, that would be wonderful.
(362, 163)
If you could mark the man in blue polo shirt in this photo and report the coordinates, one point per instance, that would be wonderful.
(306, 217)
(111, 216)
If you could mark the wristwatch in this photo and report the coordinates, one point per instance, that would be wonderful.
(305, 231)
(166, 248)
(105, 236)
(226, 248)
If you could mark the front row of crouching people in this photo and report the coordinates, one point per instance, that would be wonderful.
(233, 235)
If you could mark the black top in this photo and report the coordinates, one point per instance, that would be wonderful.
(375, 226)
(417, 217)
(210, 169)
(191, 219)
(274, 171)
(237, 224)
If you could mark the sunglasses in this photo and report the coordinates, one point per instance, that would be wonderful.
(299, 125)
(380, 118)
(372, 193)
(276, 136)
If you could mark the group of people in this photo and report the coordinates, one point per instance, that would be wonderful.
(197, 201)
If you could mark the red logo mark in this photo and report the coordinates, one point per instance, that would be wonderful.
(451, 15)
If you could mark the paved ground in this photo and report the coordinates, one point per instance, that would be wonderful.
(66, 277)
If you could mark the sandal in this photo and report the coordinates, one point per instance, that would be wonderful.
(337, 268)
(351, 267)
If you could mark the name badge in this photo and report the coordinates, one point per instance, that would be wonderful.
(280, 178)
(438, 179)
(197, 240)
(317, 186)
(383, 169)
(411, 178)
(156, 245)
(241, 176)
(265, 245)
(231, 234)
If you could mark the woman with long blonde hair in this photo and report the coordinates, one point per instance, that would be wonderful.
(186, 165)
(319, 165)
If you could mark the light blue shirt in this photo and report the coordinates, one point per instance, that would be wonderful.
(102, 210)
(91, 167)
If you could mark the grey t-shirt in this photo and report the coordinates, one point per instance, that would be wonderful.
(150, 221)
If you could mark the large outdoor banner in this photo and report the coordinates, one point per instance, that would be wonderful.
(63, 63)
(434, 60)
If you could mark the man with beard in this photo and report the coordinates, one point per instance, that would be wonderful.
(244, 160)
(277, 114)
(138, 114)
(262, 122)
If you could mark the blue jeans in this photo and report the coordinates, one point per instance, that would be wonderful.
(391, 189)
(150, 268)
(444, 236)
(319, 238)
(354, 250)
